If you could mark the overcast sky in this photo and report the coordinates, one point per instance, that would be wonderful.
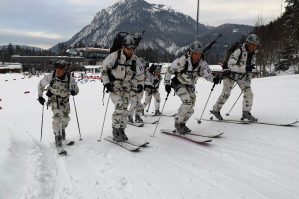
(44, 23)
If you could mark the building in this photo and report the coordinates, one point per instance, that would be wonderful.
(8, 67)
(45, 63)
(92, 56)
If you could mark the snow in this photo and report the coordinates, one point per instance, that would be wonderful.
(248, 161)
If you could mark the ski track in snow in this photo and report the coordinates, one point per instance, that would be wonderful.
(251, 161)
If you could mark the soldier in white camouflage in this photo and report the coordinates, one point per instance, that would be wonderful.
(187, 69)
(59, 86)
(135, 97)
(119, 69)
(151, 86)
(240, 65)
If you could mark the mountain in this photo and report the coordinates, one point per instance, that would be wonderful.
(165, 29)
(23, 47)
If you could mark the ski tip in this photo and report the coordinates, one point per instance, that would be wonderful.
(71, 143)
(62, 153)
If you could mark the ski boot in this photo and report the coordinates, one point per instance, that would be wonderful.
(217, 114)
(179, 128)
(58, 141)
(247, 115)
(138, 119)
(115, 133)
(185, 128)
(63, 135)
(130, 119)
(157, 112)
(122, 135)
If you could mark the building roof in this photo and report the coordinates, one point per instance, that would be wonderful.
(8, 65)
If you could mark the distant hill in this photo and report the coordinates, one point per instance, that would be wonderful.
(166, 30)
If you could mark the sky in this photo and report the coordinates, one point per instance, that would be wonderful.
(44, 23)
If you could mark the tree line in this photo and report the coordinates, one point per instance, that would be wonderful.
(6, 52)
(280, 40)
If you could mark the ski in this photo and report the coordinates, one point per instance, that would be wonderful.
(208, 135)
(136, 124)
(124, 145)
(290, 124)
(189, 137)
(61, 151)
(70, 143)
(154, 122)
(137, 143)
(173, 115)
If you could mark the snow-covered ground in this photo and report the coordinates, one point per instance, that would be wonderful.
(248, 161)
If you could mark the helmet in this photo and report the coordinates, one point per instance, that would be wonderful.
(195, 47)
(253, 39)
(60, 64)
(155, 68)
(128, 42)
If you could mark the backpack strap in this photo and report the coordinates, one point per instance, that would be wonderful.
(68, 79)
(240, 56)
(118, 57)
(53, 77)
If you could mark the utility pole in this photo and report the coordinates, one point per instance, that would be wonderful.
(196, 38)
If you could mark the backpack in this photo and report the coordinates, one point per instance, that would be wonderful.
(230, 51)
(118, 40)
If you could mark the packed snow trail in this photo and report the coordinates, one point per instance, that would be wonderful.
(251, 161)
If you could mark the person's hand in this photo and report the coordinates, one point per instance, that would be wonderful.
(41, 100)
(168, 88)
(139, 88)
(216, 80)
(249, 68)
(109, 87)
(73, 93)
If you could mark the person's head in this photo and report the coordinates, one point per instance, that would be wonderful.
(252, 42)
(155, 69)
(128, 46)
(60, 68)
(196, 52)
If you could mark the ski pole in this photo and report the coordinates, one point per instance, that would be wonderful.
(149, 104)
(227, 114)
(99, 140)
(77, 118)
(42, 124)
(161, 114)
(199, 121)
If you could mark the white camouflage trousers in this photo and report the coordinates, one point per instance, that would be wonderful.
(188, 98)
(135, 99)
(61, 110)
(120, 98)
(149, 93)
(245, 86)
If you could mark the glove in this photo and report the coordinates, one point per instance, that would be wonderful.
(168, 88)
(109, 87)
(226, 73)
(249, 68)
(41, 100)
(49, 93)
(216, 80)
(73, 93)
(139, 88)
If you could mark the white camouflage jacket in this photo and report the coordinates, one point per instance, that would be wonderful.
(59, 86)
(123, 72)
(232, 62)
(152, 80)
(189, 77)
